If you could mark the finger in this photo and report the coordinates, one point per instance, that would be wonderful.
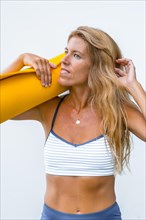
(127, 63)
(40, 71)
(37, 70)
(126, 68)
(49, 73)
(120, 72)
(124, 61)
(52, 65)
(46, 79)
(43, 75)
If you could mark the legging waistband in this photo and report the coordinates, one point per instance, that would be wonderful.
(110, 213)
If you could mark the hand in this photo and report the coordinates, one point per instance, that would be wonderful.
(41, 66)
(126, 77)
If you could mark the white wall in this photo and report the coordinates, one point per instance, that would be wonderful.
(42, 27)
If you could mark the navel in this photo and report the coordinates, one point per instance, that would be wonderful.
(78, 211)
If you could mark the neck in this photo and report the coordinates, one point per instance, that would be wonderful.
(78, 98)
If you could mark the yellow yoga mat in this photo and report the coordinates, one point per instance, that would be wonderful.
(21, 91)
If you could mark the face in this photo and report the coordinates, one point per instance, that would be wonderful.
(76, 63)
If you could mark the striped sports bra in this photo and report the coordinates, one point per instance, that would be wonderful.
(92, 158)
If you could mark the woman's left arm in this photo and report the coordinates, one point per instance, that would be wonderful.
(127, 79)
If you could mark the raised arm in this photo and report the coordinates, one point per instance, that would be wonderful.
(42, 68)
(16, 65)
(40, 65)
(136, 118)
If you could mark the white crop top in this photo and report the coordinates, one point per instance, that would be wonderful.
(92, 158)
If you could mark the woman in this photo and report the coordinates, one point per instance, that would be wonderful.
(88, 130)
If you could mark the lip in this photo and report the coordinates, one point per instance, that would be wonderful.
(64, 71)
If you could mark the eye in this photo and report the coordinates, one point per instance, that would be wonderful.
(77, 56)
(66, 51)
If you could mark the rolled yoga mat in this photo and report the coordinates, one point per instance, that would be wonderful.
(21, 91)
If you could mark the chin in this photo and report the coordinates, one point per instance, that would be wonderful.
(63, 82)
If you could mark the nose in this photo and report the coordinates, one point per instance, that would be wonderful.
(66, 59)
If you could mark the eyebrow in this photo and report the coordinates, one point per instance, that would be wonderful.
(74, 51)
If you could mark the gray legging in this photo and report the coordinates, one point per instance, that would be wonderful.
(111, 213)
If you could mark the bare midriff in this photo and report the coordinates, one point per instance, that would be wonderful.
(79, 195)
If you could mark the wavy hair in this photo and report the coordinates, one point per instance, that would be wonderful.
(106, 93)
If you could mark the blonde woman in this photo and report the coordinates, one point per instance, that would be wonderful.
(88, 130)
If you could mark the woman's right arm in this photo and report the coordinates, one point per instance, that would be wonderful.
(43, 72)
(15, 66)
(40, 65)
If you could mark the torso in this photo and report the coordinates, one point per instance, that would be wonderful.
(82, 194)
(79, 194)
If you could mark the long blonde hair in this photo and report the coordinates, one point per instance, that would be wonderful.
(106, 94)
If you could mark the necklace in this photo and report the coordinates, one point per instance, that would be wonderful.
(78, 122)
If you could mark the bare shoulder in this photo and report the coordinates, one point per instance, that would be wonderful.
(47, 108)
(47, 111)
(136, 121)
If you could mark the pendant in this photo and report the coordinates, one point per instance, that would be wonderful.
(78, 122)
